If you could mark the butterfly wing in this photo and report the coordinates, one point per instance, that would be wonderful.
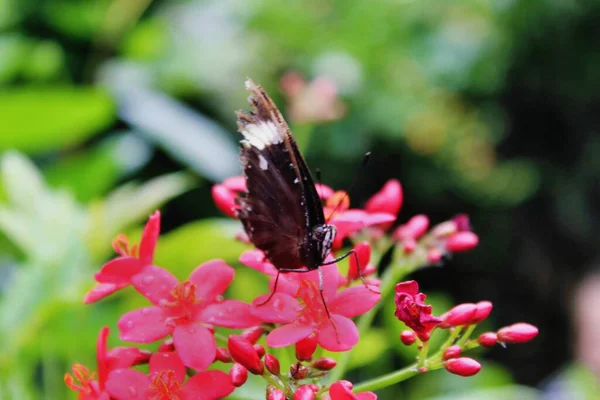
(281, 205)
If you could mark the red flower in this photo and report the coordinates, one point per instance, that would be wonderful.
(342, 390)
(388, 200)
(118, 272)
(180, 309)
(297, 305)
(91, 387)
(165, 381)
(411, 309)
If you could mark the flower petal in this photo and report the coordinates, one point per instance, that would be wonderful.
(128, 384)
(119, 270)
(211, 279)
(195, 345)
(100, 291)
(155, 284)
(207, 385)
(149, 238)
(101, 355)
(125, 357)
(354, 301)
(255, 259)
(288, 334)
(338, 334)
(144, 325)
(280, 309)
(229, 314)
(167, 361)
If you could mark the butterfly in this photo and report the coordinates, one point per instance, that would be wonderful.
(281, 211)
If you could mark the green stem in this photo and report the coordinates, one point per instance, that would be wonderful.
(387, 380)
(463, 339)
(390, 277)
(423, 354)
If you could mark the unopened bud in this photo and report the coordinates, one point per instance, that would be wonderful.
(272, 364)
(463, 366)
(252, 334)
(223, 355)
(324, 364)
(305, 392)
(517, 333)
(305, 348)
(224, 200)
(408, 337)
(238, 374)
(299, 371)
(244, 353)
(166, 346)
(434, 256)
(452, 352)
(461, 314)
(259, 350)
(488, 339)
(484, 308)
(462, 241)
(275, 394)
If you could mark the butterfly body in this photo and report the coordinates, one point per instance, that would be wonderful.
(281, 211)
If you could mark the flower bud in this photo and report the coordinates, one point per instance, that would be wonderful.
(517, 333)
(363, 253)
(238, 375)
(224, 200)
(324, 364)
(235, 183)
(299, 371)
(252, 334)
(259, 350)
(484, 308)
(463, 366)
(242, 352)
(462, 241)
(388, 200)
(305, 392)
(488, 339)
(461, 314)
(275, 394)
(462, 222)
(409, 245)
(452, 352)
(434, 256)
(414, 228)
(408, 337)
(272, 364)
(305, 348)
(223, 355)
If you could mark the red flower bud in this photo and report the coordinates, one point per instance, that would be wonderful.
(452, 352)
(462, 241)
(409, 245)
(388, 200)
(275, 394)
(324, 364)
(242, 352)
(484, 308)
(238, 375)
(252, 334)
(517, 333)
(408, 337)
(259, 350)
(223, 355)
(461, 314)
(306, 348)
(462, 222)
(272, 364)
(224, 200)
(299, 371)
(488, 339)
(363, 252)
(414, 228)
(305, 392)
(463, 366)
(434, 256)
(235, 183)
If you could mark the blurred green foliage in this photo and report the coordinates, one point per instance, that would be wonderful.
(97, 94)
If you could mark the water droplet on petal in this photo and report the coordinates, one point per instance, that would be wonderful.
(129, 324)
(191, 329)
(133, 391)
(145, 311)
(148, 279)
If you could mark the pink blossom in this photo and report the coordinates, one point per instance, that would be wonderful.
(166, 381)
(180, 309)
(342, 390)
(118, 272)
(297, 305)
(411, 309)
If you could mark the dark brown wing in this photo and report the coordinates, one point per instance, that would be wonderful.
(281, 205)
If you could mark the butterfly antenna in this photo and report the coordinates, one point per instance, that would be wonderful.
(339, 204)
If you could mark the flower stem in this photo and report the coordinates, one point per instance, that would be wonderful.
(390, 277)
(387, 380)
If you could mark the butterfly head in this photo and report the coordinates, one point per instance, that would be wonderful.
(324, 236)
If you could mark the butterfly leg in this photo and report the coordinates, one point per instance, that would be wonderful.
(360, 275)
(279, 271)
(321, 282)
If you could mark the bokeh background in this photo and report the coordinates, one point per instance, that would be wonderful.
(110, 109)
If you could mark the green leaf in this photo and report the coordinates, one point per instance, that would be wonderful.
(36, 119)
